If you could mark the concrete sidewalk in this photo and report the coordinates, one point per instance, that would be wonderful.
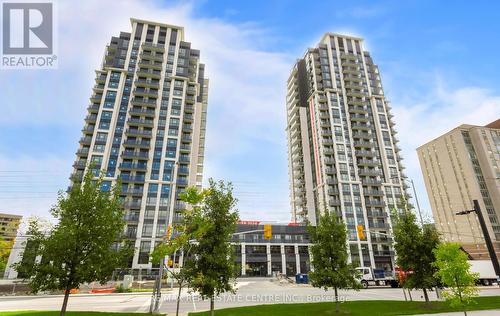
(495, 312)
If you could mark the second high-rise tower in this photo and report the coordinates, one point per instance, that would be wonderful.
(342, 149)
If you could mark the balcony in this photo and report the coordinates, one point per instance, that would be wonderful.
(135, 155)
(363, 144)
(131, 218)
(376, 214)
(151, 56)
(93, 108)
(359, 118)
(82, 152)
(86, 140)
(140, 122)
(183, 170)
(146, 92)
(383, 253)
(129, 178)
(88, 129)
(334, 202)
(150, 73)
(137, 143)
(373, 192)
(133, 166)
(133, 192)
(136, 132)
(364, 153)
(182, 182)
(188, 118)
(153, 47)
(368, 163)
(361, 127)
(96, 99)
(378, 225)
(374, 203)
(371, 182)
(186, 138)
(80, 164)
(185, 148)
(189, 108)
(331, 181)
(143, 102)
(147, 83)
(145, 112)
(369, 173)
(150, 64)
(183, 158)
(92, 118)
(132, 205)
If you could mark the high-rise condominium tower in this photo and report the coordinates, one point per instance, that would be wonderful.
(146, 126)
(342, 150)
(458, 167)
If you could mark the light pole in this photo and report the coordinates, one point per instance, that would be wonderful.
(486, 234)
(155, 300)
(416, 199)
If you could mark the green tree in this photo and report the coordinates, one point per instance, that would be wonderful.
(6, 245)
(187, 232)
(79, 247)
(35, 231)
(329, 256)
(454, 272)
(214, 270)
(5, 248)
(414, 247)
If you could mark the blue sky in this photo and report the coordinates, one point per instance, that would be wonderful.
(438, 59)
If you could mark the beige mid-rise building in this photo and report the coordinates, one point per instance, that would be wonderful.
(458, 167)
(9, 223)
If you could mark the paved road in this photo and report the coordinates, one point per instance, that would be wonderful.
(250, 292)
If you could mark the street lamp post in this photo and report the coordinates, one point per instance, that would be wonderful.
(155, 300)
(486, 234)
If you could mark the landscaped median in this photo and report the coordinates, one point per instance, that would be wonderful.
(361, 308)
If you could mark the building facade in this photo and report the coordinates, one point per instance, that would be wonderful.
(146, 127)
(342, 149)
(9, 224)
(286, 253)
(458, 167)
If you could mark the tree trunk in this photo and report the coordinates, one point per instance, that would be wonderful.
(465, 312)
(337, 307)
(178, 299)
(409, 294)
(426, 296)
(212, 311)
(65, 302)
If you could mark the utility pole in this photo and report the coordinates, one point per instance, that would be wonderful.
(486, 234)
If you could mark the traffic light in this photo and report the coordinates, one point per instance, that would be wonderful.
(169, 231)
(170, 263)
(268, 232)
(361, 233)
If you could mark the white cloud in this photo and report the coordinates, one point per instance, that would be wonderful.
(421, 119)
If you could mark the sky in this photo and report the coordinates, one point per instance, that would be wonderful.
(438, 61)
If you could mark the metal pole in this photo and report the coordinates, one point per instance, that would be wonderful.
(487, 238)
(418, 205)
(157, 290)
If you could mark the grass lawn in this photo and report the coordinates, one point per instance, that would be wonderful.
(56, 313)
(371, 308)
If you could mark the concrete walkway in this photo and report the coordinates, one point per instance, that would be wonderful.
(495, 312)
